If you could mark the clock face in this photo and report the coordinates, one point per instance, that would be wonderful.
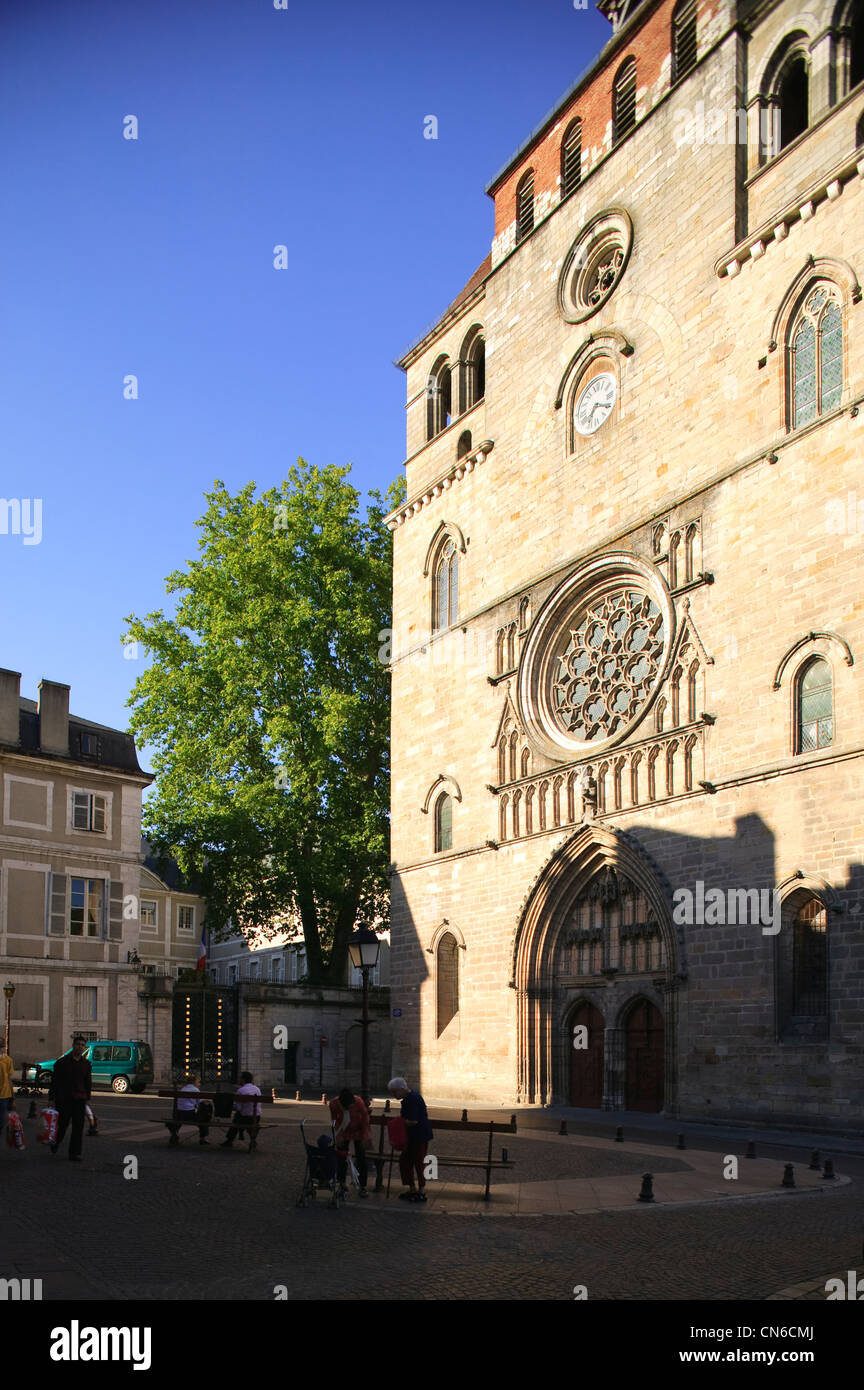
(595, 403)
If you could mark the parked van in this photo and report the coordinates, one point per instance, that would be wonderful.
(127, 1064)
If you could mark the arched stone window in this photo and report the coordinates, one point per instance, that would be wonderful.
(689, 745)
(443, 823)
(849, 21)
(691, 555)
(447, 980)
(791, 99)
(525, 206)
(652, 773)
(474, 369)
(815, 355)
(502, 760)
(617, 774)
(517, 804)
(525, 770)
(445, 598)
(463, 448)
(802, 970)
(624, 100)
(529, 810)
(556, 801)
(856, 47)
(692, 678)
(514, 740)
(502, 817)
(524, 614)
(676, 697)
(438, 398)
(684, 45)
(659, 712)
(671, 750)
(571, 158)
(814, 706)
(602, 773)
(674, 559)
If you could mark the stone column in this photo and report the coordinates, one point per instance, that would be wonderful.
(822, 80)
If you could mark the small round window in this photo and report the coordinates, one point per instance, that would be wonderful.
(594, 265)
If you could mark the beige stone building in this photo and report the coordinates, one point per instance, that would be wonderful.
(70, 870)
(628, 721)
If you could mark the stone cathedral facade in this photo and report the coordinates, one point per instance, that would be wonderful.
(628, 709)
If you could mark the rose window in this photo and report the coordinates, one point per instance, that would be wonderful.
(605, 667)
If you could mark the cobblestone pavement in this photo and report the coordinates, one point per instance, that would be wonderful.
(205, 1223)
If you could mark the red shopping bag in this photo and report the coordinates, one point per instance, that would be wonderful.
(397, 1132)
(14, 1131)
(48, 1121)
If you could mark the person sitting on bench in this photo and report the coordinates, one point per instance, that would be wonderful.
(244, 1110)
(187, 1105)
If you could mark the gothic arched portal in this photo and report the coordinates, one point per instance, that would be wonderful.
(596, 946)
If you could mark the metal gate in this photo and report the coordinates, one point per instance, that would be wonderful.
(204, 1032)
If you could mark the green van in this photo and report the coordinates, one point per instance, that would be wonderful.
(127, 1064)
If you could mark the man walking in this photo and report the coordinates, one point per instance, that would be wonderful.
(70, 1091)
(411, 1160)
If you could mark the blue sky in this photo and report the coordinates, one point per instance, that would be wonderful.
(154, 257)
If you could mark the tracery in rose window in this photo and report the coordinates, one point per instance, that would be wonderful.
(605, 274)
(609, 666)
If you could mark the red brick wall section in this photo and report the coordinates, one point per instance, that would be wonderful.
(651, 47)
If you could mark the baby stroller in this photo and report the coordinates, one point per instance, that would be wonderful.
(322, 1170)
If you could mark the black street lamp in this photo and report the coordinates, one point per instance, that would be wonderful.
(9, 991)
(363, 949)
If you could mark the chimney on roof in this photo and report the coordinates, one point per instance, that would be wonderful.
(10, 695)
(54, 718)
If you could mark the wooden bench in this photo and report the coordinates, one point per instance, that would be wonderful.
(250, 1125)
(463, 1126)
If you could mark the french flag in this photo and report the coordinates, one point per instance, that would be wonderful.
(202, 951)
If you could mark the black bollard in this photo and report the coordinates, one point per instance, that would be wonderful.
(464, 1119)
(563, 1129)
(387, 1107)
(815, 1164)
(647, 1193)
(619, 1135)
(788, 1176)
(682, 1142)
(751, 1149)
(31, 1113)
(828, 1170)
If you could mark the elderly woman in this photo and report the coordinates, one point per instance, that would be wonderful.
(411, 1160)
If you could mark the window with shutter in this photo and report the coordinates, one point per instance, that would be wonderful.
(89, 812)
(525, 206)
(57, 906)
(624, 101)
(684, 47)
(571, 158)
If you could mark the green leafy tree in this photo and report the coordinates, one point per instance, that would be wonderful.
(268, 710)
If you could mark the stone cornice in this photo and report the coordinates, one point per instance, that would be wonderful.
(827, 189)
(454, 473)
